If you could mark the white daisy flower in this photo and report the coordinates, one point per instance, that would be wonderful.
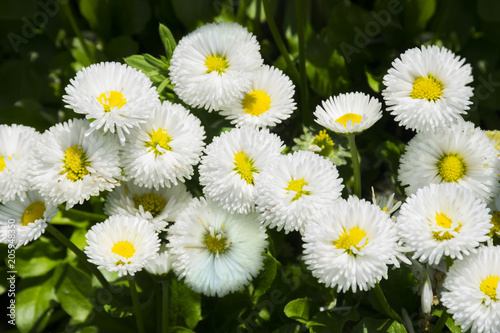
(495, 215)
(348, 113)
(70, 166)
(427, 88)
(472, 295)
(160, 265)
(157, 206)
(216, 252)
(113, 95)
(443, 220)
(214, 65)
(269, 101)
(164, 150)
(16, 145)
(294, 188)
(231, 163)
(351, 246)
(458, 154)
(122, 244)
(29, 219)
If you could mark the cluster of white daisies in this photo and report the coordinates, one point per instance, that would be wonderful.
(142, 150)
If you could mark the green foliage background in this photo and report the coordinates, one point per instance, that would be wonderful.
(349, 47)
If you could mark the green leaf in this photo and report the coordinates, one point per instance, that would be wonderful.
(74, 292)
(140, 62)
(299, 309)
(168, 40)
(332, 322)
(368, 325)
(61, 219)
(184, 303)
(34, 304)
(263, 282)
(38, 258)
(372, 82)
(418, 14)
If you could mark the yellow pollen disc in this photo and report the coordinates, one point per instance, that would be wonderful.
(216, 63)
(444, 222)
(151, 202)
(111, 99)
(75, 163)
(356, 118)
(3, 165)
(451, 168)
(296, 185)
(256, 102)
(124, 249)
(428, 88)
(489, 286)
(33, 212)
(243, 165)
(495, 220)
(159, 143)
(216, 244)
(323, 140)
(354, 237)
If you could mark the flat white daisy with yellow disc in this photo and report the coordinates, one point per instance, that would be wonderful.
(159, 206)
(295, 188)
(70, 166)
(459, 154)
(443, 220)
(16, 145)
(213, 66)
(472, 291)
(162, 151)
(348, 113)
(114, 96)
(214, 251)
(24, 221)
(351, 245)
(231, 163)
(122, 244)
(426, 88)
(267, 103)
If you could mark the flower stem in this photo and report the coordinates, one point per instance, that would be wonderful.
(355, 165)
(78, 33)
(304, 92)
(441, 322)
(69, 244)
(279, 42)
(165, 309)
(137, 305)
(385, 305)
(82, 215)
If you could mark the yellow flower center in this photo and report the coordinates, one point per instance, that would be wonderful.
(489, 287)
(256, 102)
(428, 88)
(355, 118)
(451, 168)
(243, 165)
(159, 143)
(75, 163)
(33, 212)
(495, 220)
(351, 240)
(444, 222)
(323, 141)
(150, 202)
(216, 63)
(124, 249)
(3, 165)
(111, 100)
(296, 185)
(216, 243)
